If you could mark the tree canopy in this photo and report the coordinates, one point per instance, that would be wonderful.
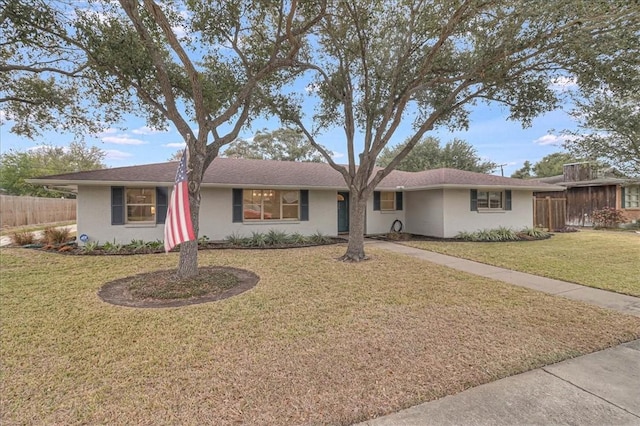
(549, 165)
(377, 64)
(205, 67)
(16, 166)
(284, 144)
(609, 130)
(428, 154)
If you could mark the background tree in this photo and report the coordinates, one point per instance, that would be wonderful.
(524, 172)
(284, 144)
(609, 129)
(549, 165)
(552, 164)
(428, 154)
(378, 64)
(141, 56)
(16, 166)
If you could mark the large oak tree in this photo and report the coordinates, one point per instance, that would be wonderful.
(205, 67)
(379, 64)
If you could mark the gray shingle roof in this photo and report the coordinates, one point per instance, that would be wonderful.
(260, 173)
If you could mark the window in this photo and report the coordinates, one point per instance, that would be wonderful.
(387, 200)
(270, 204)
(631, 197)
(490, 200)
(140, 205)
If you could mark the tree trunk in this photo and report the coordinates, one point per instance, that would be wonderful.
(188, 263)
(357, 210)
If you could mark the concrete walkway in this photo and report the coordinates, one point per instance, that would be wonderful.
(602, 388)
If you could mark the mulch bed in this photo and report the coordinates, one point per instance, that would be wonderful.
(117, 292)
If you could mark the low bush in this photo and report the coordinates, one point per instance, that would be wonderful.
(54, 236)
(607, 217)
(501, 234)
(22, 238)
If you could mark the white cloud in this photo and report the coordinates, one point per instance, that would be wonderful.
(114, 154)
(179, 31)
(549, 140)
(564, 84)
(175, 145)
(146, 130)
(337, 155)
(123, 140)
(3, 116)
(554, 139)
(105, 132)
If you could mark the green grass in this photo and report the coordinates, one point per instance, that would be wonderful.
(317, 341)
(601, 259)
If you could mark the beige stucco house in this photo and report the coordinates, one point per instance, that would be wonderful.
(241, 196)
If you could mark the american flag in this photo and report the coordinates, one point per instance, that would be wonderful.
(178, 227)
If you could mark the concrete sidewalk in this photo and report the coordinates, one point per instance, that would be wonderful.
(602, 388)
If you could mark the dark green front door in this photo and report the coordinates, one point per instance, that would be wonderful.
(343, 212)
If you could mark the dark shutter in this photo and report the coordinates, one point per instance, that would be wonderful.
(237, 204)
(376, 200)
(474, 200)
(507, 199)
(117, 205)
(304, 204)
(398, 200)
(161, 203)
(622, 198)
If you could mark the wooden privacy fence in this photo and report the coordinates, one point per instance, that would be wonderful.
(19, 211)
(549, 212)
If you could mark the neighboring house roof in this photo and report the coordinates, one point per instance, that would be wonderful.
(234, 172)
(559, 180)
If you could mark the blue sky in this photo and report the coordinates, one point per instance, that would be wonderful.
(494, 138)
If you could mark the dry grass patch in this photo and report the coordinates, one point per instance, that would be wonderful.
(315, 342)
(601, 259)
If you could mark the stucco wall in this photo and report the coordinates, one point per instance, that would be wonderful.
(458, 216)
(424, 213)
(94, 217)
(379, 221)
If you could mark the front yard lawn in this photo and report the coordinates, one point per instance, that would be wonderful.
(317, 341)
(602, 259)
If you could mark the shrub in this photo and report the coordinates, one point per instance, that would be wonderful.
(607, 217)
(53, 236)
(91, 246)
(297, 238)
(113, 247)
(319, 238)
(22, 238)
(535, 233)
(258, 239)
(274, 238)
(235, 239)
(203, 241)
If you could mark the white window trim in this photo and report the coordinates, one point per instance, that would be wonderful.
(153, 206)
(627, 195)
(489, 208)
(393, 199)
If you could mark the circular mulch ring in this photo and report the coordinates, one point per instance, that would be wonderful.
(117, 292)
